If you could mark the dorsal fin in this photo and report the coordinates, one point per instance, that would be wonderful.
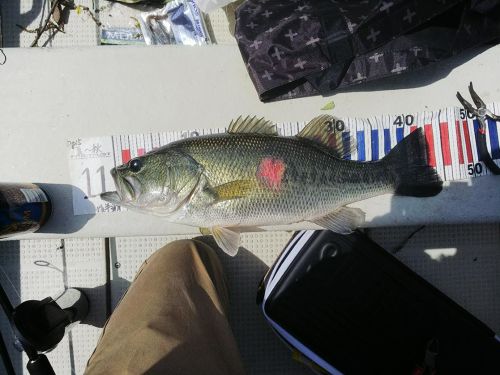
(324, 130)
(252, 125)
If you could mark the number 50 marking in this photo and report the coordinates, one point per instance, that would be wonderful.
(474, 168)
(86, 172)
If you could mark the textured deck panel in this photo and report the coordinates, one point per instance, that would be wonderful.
(218, 21)
(460, 260)
(80, 29)
(261, 350)
(86, 270)
(33, 269)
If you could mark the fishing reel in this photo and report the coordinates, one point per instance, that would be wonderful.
(39, 326)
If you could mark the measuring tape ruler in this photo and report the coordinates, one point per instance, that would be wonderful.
(450, 134)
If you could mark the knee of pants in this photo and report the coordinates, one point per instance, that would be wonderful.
(182, 252)
(182, 248)
(174, 247)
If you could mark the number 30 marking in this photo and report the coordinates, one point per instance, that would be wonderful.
(339, 126)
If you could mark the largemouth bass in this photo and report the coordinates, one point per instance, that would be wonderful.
(250, 177)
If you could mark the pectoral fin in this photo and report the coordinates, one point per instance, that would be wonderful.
(234, 190)
(228, 239)
(343, 221)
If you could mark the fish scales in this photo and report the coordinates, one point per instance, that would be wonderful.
(314, 181)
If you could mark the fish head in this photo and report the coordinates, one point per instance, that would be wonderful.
(159, 182)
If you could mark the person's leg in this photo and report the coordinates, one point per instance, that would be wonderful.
(172, 319)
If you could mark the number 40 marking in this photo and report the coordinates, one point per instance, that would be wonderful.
(404, 120)
(86, 172)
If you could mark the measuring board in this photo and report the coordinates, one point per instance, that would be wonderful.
(450, 134)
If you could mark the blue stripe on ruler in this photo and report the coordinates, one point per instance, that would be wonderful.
(387, 141)
(476, 130)
(400, 134)
(495, 149)
(360, 137)
(374, 144)
(346, 141)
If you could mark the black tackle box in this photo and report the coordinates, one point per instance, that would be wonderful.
(349, 307)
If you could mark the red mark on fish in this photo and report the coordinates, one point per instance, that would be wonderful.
(271, 172)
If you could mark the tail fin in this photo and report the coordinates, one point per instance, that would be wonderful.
(408, 164)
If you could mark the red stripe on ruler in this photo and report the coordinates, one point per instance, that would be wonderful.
(445, 143)
(431, 153)
(459, 143)
(140, 151)
(468, 147)
(413, 128)
(125, 156)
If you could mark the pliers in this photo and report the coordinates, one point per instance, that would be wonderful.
(481, 113)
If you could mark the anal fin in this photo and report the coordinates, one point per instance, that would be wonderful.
(228, 239)
(343, 221)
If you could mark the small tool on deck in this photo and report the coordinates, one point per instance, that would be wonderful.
(482, 114)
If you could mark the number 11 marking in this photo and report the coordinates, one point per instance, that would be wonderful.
(86, 172)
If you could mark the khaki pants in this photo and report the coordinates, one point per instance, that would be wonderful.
(172, 319)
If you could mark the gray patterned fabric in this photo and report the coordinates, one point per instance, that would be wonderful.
(295, 48)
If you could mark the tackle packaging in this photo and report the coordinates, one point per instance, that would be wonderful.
(178, 22)
(121, 35)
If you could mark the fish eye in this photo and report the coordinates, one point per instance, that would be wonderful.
(135, 165)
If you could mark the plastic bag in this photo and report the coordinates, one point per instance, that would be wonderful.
(178, 22)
